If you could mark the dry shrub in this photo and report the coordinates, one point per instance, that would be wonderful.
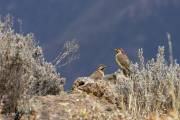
(154, 86)
(23, 70)
(68, 54)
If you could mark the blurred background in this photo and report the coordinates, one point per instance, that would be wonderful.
(99, 26)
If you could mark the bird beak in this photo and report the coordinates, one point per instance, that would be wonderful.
(108, 66)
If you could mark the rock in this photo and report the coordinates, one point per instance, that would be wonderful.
(106, 89)
(89, 100)
(99, 88)
(74, 106)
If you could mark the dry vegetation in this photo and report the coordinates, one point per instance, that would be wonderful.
(153, 89)
(151, 93)
(67, 54)
(23, 70)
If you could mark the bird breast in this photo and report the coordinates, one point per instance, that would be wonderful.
(98, 74)
(122, 60)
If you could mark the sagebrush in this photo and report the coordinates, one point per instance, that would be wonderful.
(154, 86)
(23, 69)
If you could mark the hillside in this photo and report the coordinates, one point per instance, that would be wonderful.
(32, 89)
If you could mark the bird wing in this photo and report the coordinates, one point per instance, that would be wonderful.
(124, 61)
(96, 75)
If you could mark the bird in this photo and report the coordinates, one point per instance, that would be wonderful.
(122, 61)
(99, 72)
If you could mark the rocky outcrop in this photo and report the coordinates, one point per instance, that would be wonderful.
(74, 106)
(103, 89)
(89, 100)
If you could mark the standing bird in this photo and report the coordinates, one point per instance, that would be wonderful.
(123, 61)
(99, 73)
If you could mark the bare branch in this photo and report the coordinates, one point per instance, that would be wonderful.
(68, 54)
(170, 48)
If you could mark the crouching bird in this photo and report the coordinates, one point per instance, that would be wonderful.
(122, 61)
(99, 72)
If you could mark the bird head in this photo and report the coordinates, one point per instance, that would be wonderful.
(119, 51)
(102, 67)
